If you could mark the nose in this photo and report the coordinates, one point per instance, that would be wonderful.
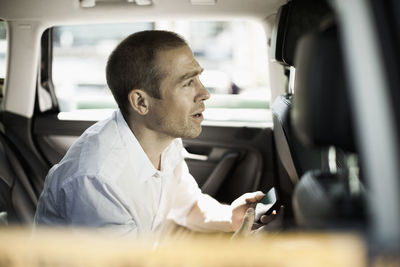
(203, 93)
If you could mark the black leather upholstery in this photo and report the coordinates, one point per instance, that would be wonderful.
(323, 200)
(295, 157)
(291, 24)
(293, 20)
(17, 197)
(321, 117)
(321, 111)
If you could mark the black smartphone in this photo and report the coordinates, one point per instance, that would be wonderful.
(270, 198)
(276, 206)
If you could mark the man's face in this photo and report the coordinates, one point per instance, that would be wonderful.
(179, 111)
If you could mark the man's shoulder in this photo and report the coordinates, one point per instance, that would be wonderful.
(94, 151)
(76, 171)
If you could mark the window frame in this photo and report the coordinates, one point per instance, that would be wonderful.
(46, 84)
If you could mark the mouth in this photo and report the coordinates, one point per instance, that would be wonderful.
(198, 115)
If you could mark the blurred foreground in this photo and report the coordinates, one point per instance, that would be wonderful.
(61, 247)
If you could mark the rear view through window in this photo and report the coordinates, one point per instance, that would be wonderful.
(233, 55)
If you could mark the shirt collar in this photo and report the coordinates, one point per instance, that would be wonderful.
(170, 157)
(143, 166)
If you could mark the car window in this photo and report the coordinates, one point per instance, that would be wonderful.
(232, 53)
(3, 50)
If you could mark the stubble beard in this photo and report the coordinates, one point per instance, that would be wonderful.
(176, 130)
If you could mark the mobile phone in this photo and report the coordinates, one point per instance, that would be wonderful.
(270, 199)
(276, 206)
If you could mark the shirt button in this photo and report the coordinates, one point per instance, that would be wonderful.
(157, 175)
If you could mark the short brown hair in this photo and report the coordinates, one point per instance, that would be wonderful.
(133, 64)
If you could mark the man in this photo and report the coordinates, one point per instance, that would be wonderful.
(128, 173)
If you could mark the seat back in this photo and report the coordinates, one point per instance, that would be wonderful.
(17, 198)
(321, 113)
(289, 27)
(294, 156)
(322, 118)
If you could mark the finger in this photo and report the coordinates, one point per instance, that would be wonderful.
(248, 220)
(256, 226)
(255, 197)
(275, 215)
(252, 205)
(266, 219)
(247, 223)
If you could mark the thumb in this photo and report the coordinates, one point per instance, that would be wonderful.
(254, 197)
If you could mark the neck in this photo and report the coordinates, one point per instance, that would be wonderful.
(153, 143)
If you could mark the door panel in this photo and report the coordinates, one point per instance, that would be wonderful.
(238, 160)
(202, 166)
(225, 161)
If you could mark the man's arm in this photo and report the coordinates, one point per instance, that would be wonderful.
(85, 202)
(208, 215)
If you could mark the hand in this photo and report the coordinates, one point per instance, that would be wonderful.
(245, 228)
(240, 206)
(272, 222)
(262, 209)
(269, 223)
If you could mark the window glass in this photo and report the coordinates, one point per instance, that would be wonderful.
(80, 55)
(233, 55)
(3, 50)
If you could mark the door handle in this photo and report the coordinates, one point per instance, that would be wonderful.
(188, 155)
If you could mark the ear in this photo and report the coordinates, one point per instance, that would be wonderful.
(138, 100)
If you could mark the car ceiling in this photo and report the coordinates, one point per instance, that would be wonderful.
(54, 12)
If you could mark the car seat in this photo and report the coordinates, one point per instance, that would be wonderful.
(322, 118)
(17, 197)
(293, 20)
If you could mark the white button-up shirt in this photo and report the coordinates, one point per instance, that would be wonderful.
(107, 180)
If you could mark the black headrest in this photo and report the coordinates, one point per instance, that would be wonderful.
(293, 20)
(321, 111)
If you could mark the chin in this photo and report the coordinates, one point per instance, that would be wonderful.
(192, 134)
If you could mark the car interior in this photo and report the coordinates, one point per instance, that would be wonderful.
(327, 152)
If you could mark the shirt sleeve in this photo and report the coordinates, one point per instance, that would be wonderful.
(187, 194)
(87, 202)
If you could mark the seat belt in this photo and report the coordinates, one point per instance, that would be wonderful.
(280, 107)
(284, 151)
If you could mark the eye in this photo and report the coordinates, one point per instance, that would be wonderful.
(190, 83)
